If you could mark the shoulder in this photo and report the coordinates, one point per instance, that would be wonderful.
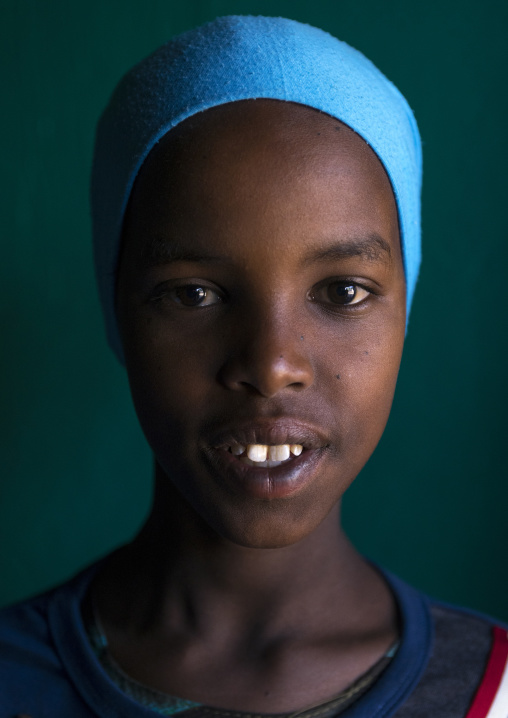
(24, 631)
(462, 644)
(460, 679)
(32, 670)
(451, 663)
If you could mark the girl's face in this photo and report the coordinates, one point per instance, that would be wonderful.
(261, 301)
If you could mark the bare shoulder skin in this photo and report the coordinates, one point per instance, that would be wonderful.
(261, 302)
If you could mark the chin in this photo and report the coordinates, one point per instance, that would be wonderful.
(264, 538)
(267, 526)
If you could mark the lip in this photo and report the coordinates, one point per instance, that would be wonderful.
(280, 431)
(267, 483)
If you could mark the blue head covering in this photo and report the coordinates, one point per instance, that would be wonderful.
(239, 58)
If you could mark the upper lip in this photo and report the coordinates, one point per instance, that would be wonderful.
(283, 430)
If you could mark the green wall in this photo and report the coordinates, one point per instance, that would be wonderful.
(432, 503)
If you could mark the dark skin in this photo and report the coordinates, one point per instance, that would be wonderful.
(261, 299)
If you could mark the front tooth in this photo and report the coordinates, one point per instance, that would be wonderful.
(296, 449)
(280, 452)
(257, 452)
(237, 449)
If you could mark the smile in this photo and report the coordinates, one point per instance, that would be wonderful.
(266, 458)
(265, 455)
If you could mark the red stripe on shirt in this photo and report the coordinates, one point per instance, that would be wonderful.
(492, 677)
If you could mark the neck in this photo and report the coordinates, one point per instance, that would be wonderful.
(178, 571)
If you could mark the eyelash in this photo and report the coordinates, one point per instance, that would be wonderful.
(175, 294)
(171, 292)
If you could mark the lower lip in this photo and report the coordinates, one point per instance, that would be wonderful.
(264, 482)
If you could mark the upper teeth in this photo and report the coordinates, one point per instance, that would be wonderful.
(262, 452)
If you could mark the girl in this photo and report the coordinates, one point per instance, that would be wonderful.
(255, 198)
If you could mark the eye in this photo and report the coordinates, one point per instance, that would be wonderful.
(189, 295)
(339, 293)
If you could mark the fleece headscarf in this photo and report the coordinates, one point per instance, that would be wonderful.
(239, 58)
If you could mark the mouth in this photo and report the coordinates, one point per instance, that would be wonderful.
(267, 461)
(265, 455)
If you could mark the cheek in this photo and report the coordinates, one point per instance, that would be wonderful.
(163, 356)
(169, 380)
(367, 365)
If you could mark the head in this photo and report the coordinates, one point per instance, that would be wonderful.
(261, 300)
(267, 262)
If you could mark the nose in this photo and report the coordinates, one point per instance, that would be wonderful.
(268, 355)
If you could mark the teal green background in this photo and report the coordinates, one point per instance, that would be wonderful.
(75, 471)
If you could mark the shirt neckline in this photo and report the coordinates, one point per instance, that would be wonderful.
(102, 695)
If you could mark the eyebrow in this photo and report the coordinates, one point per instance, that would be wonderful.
(372, 247)
(158, 251)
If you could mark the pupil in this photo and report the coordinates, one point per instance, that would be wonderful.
(343, 293)
(191, 295)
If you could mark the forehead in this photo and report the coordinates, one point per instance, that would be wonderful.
(278, 160)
